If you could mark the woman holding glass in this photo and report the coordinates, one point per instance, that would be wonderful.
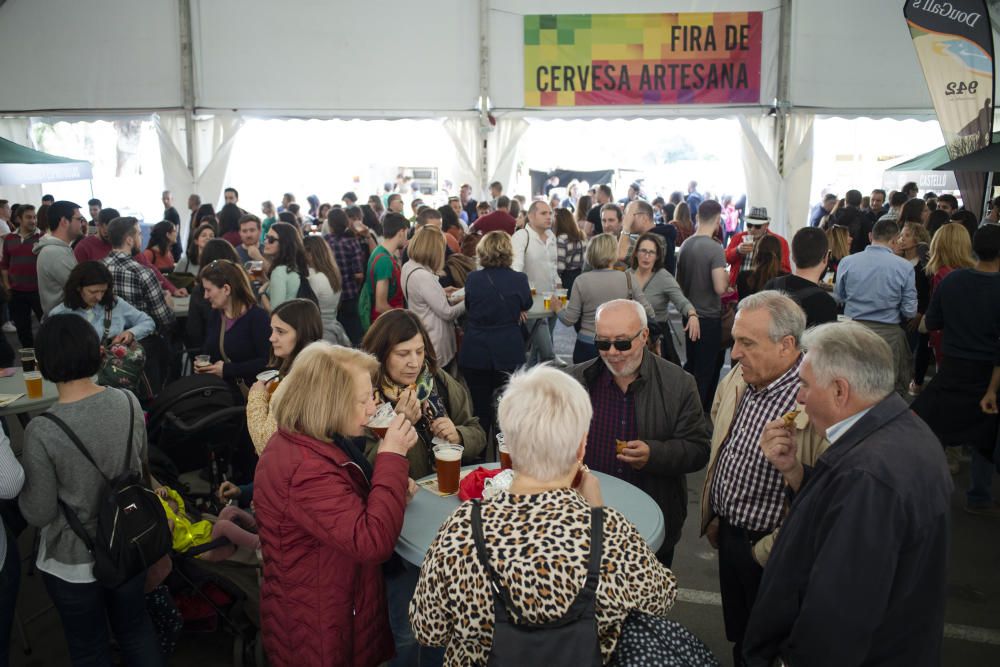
(328, 519)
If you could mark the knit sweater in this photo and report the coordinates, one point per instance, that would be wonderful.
(55, 470)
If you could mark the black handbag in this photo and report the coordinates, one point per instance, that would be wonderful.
(570, 641)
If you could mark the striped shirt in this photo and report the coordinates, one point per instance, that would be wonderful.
(19, 261)
(746, 489)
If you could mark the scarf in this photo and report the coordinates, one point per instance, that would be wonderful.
(431, 404)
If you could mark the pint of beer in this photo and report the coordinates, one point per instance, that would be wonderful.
(563, 295)
(505, 463)
(448, 458)
(33, 384)
(547, 300)
(270, 380)
(381, 420)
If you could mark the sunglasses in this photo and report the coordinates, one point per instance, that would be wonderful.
(750, 225)
(603, 345)
(270, 239)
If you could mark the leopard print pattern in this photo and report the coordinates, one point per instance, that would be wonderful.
(538, 545)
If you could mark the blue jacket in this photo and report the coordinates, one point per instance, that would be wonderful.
(124, 317)
(492, 329)
(858, 575)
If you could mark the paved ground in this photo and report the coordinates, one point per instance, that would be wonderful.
(973, 611)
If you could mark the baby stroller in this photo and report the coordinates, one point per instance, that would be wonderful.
(219, 595)
(195, 423)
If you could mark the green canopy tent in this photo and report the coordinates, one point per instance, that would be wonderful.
(20, 165)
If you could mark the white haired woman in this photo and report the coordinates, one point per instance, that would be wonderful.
(545, 421)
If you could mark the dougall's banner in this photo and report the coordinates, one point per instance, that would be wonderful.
(954, 43)
(633, 59)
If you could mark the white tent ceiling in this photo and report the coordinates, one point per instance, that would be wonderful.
(397, 57)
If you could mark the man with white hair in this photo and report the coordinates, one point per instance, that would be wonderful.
(742, 500)
(648, 427)
(859, 574)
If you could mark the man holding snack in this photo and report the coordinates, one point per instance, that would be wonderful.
(743, 498)
(859, 573)
(648, 427)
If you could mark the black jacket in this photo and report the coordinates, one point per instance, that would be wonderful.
(858, 224)
(858, 574)
(670, 420)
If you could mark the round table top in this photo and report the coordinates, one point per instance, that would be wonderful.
(14, 384)
(427, 511)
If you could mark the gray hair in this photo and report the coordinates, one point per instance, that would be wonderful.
(787, 317)
(544, 415)
(639, 310)
(852, 352)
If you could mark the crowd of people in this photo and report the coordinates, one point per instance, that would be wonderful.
(448, 316)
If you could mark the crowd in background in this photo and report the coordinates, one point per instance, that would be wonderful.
(448, 314)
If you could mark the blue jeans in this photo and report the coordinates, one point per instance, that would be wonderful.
(981, 479)
(540, 344)
(85, 610)
(10, 582)
(399, 589)
(702, 356)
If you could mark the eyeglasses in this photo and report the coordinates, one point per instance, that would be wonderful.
(646, 251)
(604, 345)
(270, 239)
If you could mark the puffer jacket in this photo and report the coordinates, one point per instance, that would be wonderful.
(325, 531)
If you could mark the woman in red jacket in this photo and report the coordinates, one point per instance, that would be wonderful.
(327, 519)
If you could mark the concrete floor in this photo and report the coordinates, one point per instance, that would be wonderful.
(972, 633)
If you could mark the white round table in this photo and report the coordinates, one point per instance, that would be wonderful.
(427, 511)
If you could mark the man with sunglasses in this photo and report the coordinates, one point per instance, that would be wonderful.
(740, 251)
(648, 427)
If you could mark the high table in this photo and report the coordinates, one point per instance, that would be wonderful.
(427, 511)
(22, 406)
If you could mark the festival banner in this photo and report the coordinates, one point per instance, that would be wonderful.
(954, 43)
(635, 59)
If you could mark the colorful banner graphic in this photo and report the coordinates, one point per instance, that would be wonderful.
(954, 43)
(609, 59)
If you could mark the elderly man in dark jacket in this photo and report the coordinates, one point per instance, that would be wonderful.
(648, 426)
(858, 574)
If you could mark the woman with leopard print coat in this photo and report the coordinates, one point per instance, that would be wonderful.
(537, 535)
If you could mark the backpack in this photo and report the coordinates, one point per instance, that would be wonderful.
(366, 298)
(132, 531)
(570, 641)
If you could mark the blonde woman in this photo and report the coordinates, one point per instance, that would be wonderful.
(493, 346)
(424, 295)
(950, 250)
(591, 289)
(326, 516)
(840, 247)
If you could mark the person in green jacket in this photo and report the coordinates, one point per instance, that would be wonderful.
(409, 378)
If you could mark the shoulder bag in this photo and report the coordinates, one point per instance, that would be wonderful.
(123, 364)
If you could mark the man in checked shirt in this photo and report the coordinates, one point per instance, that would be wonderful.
(743, 499)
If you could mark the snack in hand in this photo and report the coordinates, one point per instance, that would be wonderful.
(789, 417)
(620, 446)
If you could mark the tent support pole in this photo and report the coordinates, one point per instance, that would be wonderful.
(782, 103)
(484, 94)
(187, 82)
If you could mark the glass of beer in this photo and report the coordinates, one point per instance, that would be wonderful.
(534, 292)
(202, 360)
(381, 420)
(28, 363)
(270, 380)
(256, 270)
(504, 452)
(547, 300)
(448, 458)
(563, 295)
(33, 384)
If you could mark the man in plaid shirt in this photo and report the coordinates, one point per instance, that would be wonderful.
(743, 498)
(133, 282)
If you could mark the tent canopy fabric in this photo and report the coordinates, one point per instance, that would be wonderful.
(20, 165)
